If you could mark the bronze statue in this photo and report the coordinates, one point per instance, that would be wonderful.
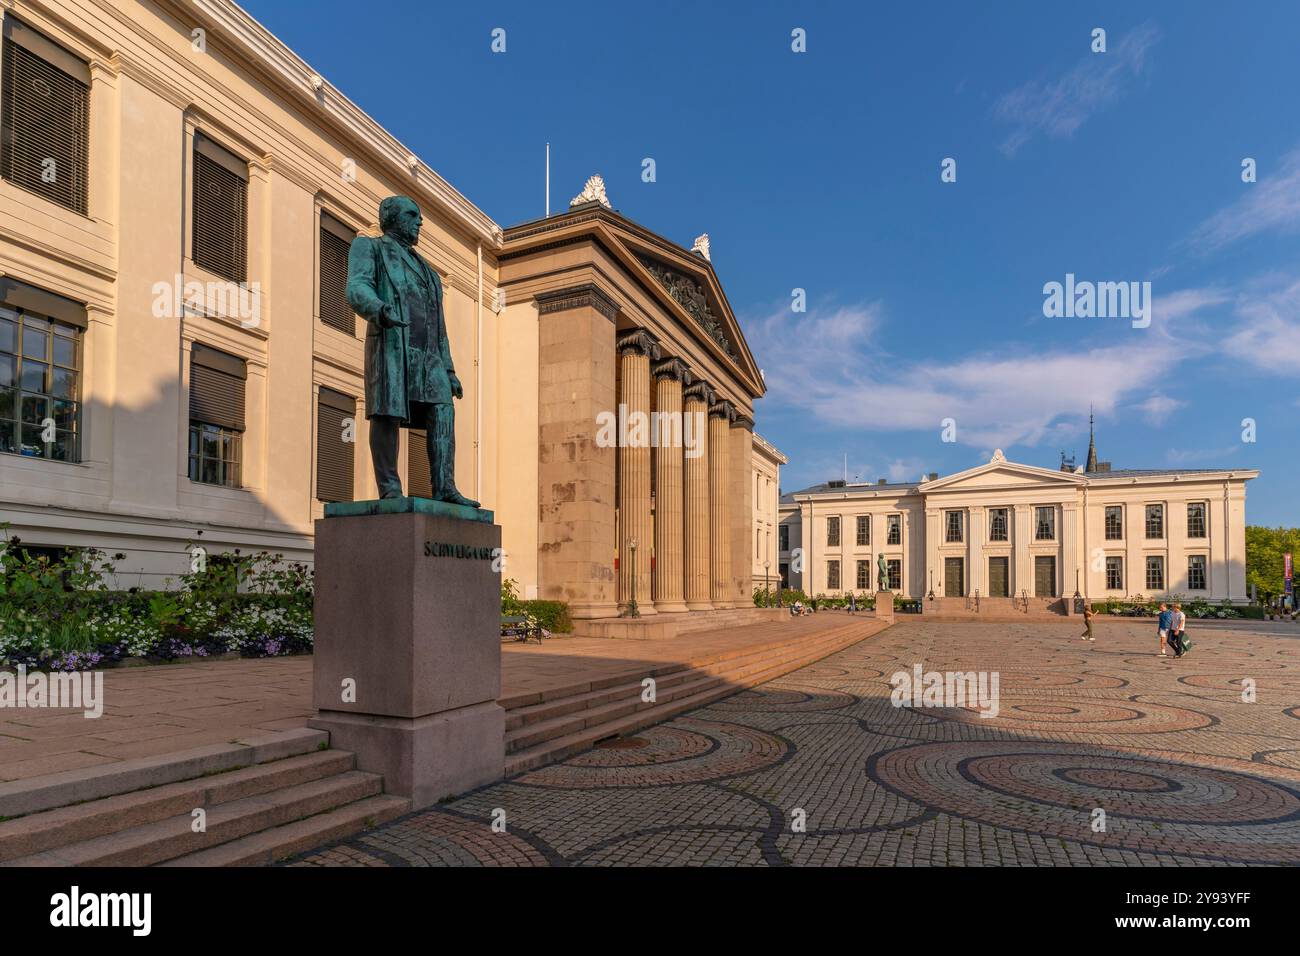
(882, 572)
(410, 379)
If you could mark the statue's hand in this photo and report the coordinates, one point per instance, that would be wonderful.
(388, 317)
(456, 389)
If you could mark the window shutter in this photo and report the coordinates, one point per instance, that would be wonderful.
(335, 240)
(45, 133)
(334, 456)
(418, 483)
(217, 388)
(220, 211)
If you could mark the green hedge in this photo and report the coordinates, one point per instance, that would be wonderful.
(552, 615)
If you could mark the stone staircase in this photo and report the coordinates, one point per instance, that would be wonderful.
(542, 728)
(264, 800)
(661, 626)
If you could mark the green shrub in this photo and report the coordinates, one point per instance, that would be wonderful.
(552, 615)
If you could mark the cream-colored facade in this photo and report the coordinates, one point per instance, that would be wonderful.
(767, 493)
(550, 325)
(162, 74)
(1008, 530)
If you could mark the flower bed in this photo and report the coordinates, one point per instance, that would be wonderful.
(64, 616)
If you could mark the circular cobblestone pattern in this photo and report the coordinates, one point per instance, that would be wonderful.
(1102, 755)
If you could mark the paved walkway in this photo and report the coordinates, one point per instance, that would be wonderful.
(818, 768)
(153, 711)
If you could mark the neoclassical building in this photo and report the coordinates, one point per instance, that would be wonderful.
(1007, 530)
(179, 365)
(607, 320)
(766, 563)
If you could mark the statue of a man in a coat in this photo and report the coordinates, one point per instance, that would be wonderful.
(410, 379)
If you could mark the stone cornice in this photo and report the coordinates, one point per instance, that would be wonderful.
(577, 297)
(742, 421)
(295, 78)
(673, 368)
(639, 341)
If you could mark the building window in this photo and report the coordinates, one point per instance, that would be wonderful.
(833, 575)
(336, 422)
(40, 364)
(894, 573)
(894, 529)
(1114, 573)
(1155, 521)
(418, 482)
(783, 536)
(220, 213)
(1196, 572)
(216, 416)
(1155, 573)
(998, 524)
(864, 529)
(1196, 519)
(1114, 523)
(864, 575)
(44, 118)
(335, 240)
(1045, 524)
(833, 532)
(952, 526)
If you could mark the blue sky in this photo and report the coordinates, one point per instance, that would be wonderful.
(821, 171)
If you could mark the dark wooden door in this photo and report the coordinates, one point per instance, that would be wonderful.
(954, 578)
(1045, 576)
(999, 585)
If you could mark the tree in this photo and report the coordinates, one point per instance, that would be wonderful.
(1265, 550)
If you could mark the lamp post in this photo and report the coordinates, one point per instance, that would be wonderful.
(632, 609)
(767, 588)
(931, 594)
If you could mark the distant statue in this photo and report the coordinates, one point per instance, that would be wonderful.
(410, 379)
(882, 573)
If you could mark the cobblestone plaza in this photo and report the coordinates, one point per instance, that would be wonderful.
(1186, 771)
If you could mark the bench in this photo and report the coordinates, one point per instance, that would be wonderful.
(518, 629)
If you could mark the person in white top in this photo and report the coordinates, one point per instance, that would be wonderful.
(1179, 631)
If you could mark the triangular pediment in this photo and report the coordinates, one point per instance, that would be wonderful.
(1000, 473)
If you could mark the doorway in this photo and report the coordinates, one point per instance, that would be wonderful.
(1045, 575)
(999, 577)
(954, 577)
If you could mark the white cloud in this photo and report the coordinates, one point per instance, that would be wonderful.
(1014, 396)
(1058, 107)
(1157, 409)
(1271, 204)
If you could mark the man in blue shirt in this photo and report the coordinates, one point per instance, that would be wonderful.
(1162, 626)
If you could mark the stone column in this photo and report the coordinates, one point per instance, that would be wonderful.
(636, 349)
(696, 400)
(742, 511)
(670, 553)
(721, 592)
(575, 471)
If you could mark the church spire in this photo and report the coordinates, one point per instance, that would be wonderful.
(1092, 444)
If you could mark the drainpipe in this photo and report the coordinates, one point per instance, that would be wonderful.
(478, 387)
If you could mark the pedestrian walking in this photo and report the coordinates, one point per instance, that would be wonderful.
(1178, 637)
(1163, 626)
(853, 603)
(1087, 623)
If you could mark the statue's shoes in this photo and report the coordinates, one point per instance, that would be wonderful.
(456, 498)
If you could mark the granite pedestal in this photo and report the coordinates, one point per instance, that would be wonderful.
(885, 606)
(407, 666)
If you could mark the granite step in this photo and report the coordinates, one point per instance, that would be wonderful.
(279, 843)
(81, 822)
(173, 836)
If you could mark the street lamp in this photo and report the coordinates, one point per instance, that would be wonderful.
(767, 588)
(931, 594)
(632, 609)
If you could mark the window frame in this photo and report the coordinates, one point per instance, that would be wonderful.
(1203, 567)
(832, 531)
(1159, 521)
(954, 533)
(1004, 516)
(1204, 507)
(1039, 511)
(52, 329)
(1115, 531)
(1115, 563)
(863, 530)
